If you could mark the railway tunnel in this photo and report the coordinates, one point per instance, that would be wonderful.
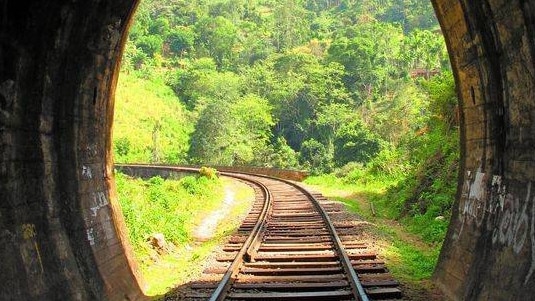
(61, 233)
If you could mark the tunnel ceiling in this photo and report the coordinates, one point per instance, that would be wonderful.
(62, 234)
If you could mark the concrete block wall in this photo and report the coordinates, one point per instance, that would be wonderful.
(148, 171)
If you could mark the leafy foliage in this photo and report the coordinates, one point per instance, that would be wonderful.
(360, 88)
(355, 143)
(150, 124)
(302, 84)
(415, 180)
(165, 206)
(315, 156)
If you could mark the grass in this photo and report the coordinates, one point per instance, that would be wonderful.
(408, 256)
(150, 123)
(176, 208)
(410, 263)
(170, 207)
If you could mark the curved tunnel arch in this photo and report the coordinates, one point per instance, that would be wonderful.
(61, 236)
(489, 251)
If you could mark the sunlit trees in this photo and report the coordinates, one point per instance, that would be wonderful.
(353, 142)
(217, 38)
(290, 24)
(231, 133)
(425, 49)
(311, 83)
(181, 40)
(370, 54)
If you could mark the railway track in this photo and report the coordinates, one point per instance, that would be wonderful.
(287, 248)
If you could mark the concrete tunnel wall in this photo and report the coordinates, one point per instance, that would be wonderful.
(61, 232)
(489, 252)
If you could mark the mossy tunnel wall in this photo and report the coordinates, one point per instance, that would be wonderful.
(61, 234)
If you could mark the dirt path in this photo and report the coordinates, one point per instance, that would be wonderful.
(208, 226)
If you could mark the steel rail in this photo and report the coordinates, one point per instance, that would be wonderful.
(248, 249)
(245, 253)
(356, 286)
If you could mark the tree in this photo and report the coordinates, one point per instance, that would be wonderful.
(309, 76)
(150, 45)
(160, 27)
(354, 143)
(231, 132)
(316, 156)
(213, 136)
(278, 154)
(217, 36)
(254, 126)
(425, 49)
(370, 57)
(330, 118)
(181, 40)
(291, 25)
(411, 14)
(199, 79)
(253, 44)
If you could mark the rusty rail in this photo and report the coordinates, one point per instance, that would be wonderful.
(356, 287)
(297, 254)
(245, 253)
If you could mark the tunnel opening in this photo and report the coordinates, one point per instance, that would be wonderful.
(134, 67)
(54, 168)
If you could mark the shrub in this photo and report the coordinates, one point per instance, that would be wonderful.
(315, 156)
(169, 207)
(210, 173)
(347, 169)
(122, 147)
(354, 142)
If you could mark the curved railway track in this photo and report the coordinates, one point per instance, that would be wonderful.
(287, 248)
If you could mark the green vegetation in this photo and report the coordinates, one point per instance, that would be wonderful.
(357, 92)
(414, 184)
(306, 84)
(150, 125)
(176, 208)
(416, 181)
(408, 261)
(170, 207)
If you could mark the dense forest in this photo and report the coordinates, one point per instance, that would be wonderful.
(359, 90)
(359, 93)
(314, 84)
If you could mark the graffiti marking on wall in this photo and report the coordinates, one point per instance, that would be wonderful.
(29, 234)
(99, 200)
(510, 220)
(87, 172)
(514, 225)
(473, 199)
(90, 236)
